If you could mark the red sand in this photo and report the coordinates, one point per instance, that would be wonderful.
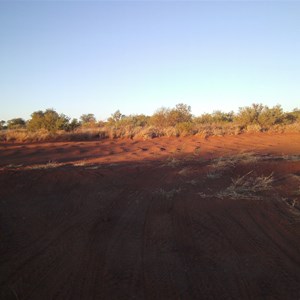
(142, 220)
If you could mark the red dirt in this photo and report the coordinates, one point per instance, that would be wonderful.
(126, 219)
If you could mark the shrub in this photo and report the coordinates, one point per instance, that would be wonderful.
(248, 186)
(49, 120)
(73, 125)
(160, 118)
(185, 128)
(270, 116)
(253, 128)
(17, 123)
(249, 115)
(180, 114)
(115, 119)
(166, 117)
(2, 125)
(217, 117)
(88, 120)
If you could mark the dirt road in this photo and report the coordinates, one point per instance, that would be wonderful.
(152, 219)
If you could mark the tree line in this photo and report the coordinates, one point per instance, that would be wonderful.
(179, 117)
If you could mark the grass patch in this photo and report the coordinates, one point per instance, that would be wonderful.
(81, 163)
(248, 186)
(13, 166)
(49, 165)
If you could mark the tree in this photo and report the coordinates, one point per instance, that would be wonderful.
(36, 121)
(115, 118)
(16, 123)
(53, 121)
(49, 120)
(73, 124)
(88, 120)
(2, 125)
(165, 117)
(296, 114)
(180, 114)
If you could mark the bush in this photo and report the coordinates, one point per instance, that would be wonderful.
(217, 117)
(88, 120)
(270, 116)
(160, 118)
(17, 123)
(2, 125)
(73, 125)
(185, 128)
(178, 121)
(165, 117)
(180, 114)
(49, 120)
(249, 115)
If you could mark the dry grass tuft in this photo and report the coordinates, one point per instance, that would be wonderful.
(231, 161)
(291, 157)
(167, 194)
(13, 166)
(49, 165)
(172, 162)
(80, 163)
(184, 172)
(248, 186)
(221, 164)
(214, 174)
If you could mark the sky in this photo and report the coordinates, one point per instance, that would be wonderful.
(97, 57)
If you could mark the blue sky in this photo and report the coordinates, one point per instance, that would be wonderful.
(99, 56)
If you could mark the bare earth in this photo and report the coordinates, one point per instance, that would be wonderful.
(155, 219)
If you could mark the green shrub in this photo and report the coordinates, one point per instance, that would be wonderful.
(249, 115)
(17, 123)
(270, 116)
(88, 120)
(165, 117)
(49, 120)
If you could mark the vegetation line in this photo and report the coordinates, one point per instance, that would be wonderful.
(49, 125)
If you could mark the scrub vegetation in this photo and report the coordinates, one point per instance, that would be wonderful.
(50, 125)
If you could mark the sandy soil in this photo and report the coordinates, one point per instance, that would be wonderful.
(155, 219)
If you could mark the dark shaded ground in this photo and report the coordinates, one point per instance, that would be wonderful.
(154, 229)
